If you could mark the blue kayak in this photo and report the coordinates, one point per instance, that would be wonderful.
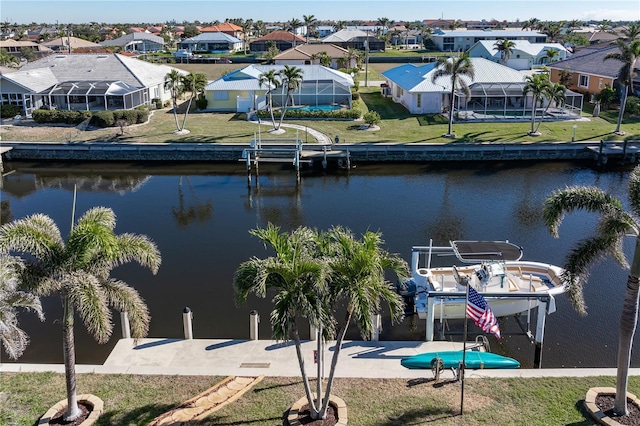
(452, 359)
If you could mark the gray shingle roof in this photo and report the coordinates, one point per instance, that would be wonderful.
(127, 38)
(592, 62)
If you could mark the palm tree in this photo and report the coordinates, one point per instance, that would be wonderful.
(628, 54)
(357, 279)
(259, 27)
(195, 84)
(551, 55)
(272, 79)
(292, 26)
(631, 32)
(383, 23)
(505, 47)
(173, 82)
(298, 277)
(309, 22)
(79, 271)
(537, 85)
(458, 70)
(8, 60)
(341, 25)
(291, 79)
(13, 338)
(246, 27)
(615, 223)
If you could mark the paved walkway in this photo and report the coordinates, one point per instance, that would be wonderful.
(221, 357)
(319, 136)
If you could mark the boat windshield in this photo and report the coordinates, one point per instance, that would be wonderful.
(479, 251)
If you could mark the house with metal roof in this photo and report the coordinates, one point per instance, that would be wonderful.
(311, 54)
(213, 42)
(241, 91)
(589, 73)
(140, 42)
(496, 91)
(462, 40)
(85, 82)
(524, 55)
(356, 39)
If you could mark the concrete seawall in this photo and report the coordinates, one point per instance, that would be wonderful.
(357, 152)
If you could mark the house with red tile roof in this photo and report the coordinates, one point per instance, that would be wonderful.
(226, 27)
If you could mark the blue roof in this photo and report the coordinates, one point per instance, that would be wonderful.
(409, 75)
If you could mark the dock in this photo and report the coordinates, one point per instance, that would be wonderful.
(626, 151)
(290, 151)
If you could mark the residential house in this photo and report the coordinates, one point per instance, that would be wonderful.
(325, 30)
(140, 42)
(228, 28)
(496, 90)
(462, 40)
(14, 47)
(438, 23)
(215, 42)
(241, 91)
(109, 33)
(67, 44)
(309, 54)
(524, 55)
(588, 71)
(356, 39)
(85, 82)
(485, 25)
(40, 34)
(284, 40)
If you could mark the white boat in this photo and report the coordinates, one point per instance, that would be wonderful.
(493, 268)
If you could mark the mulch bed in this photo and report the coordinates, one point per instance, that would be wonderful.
(304, 417)
(58, 420)
(606, 402)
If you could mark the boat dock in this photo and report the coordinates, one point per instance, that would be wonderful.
(626, 151)
(291, 151)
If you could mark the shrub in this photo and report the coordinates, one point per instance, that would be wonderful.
(201, 102)
(103, 119)
(352, 114)
(58, 116)
(355, 96)
(632, 106)
(372, 118)
(8, 110)
(605, 97)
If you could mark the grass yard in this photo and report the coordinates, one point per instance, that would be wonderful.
(136, 400)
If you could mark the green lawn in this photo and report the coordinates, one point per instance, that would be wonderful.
(136, 400)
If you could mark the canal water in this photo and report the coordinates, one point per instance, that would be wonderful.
(200, 214)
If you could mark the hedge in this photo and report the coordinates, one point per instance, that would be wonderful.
(8, 110)
(352, 114)
(60, 116)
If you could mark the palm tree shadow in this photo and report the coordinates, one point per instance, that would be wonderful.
(579, 406)
(139, 416)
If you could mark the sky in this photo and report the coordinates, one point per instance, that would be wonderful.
(158, 11)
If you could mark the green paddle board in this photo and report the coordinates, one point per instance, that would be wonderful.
(452, 359)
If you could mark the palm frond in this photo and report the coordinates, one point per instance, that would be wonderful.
(36, 234)
(561, 201)
(634, 190)
(89, 300)
(138, 248)
(125, 298)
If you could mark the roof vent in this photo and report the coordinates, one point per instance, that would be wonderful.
(90, 70)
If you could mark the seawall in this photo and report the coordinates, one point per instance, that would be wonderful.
(358, 152)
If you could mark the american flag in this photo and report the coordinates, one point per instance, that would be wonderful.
(479, 311)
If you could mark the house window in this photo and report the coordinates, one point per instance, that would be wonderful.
(600, 83)
(221, 95)
(399, 91)
(583, 81)
(419, 101)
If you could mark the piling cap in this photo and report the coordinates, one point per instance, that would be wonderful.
(186, 310)
(254, 312)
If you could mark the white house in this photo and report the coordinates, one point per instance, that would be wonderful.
(85, 82)
(462, 40)
(241, 91)
(524, 55)
(495, 90)
(136, 42)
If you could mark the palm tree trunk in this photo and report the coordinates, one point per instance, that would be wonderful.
(628, 321)
(533, 113)
(334, 363)
(175, 111)
(184, 119)
(284, 109)
(453, 90)
(305, 379)
(273, 119)
(623, 102)
(73, 411)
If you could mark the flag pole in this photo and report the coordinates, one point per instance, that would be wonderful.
(464, 348)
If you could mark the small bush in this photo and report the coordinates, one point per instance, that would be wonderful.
(7, 110)
(355, 96)
(372, 118)
(58, 116)
(352, 114)
(103, 119)
(201, 102)
(632, 106)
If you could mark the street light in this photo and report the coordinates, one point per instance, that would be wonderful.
(573, 139)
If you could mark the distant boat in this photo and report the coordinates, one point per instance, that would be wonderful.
(510, 285)
(452, 359)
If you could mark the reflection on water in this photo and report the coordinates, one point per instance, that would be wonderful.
(202, 246)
